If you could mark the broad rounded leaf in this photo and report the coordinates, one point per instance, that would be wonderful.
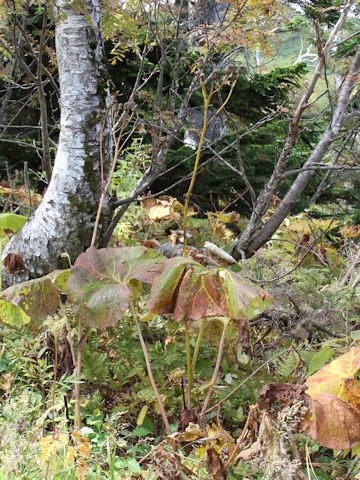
(218, 293)
(243, 298)
(100, 281)
(200, 296)
(334, 423)
(335, 394)
(10, 223)
(336, 377)
(37, 299)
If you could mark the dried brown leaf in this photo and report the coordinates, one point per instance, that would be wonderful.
(214, 465)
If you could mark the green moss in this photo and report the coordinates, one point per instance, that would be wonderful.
(103, 85)
(93, 44)
(91, 121)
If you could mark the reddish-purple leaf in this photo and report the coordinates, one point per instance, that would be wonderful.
(164, 290)
(199, 296)
(188, 290)
(101, 280)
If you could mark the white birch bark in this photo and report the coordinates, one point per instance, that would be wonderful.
(64, 220)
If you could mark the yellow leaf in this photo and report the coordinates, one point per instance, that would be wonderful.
(350, 231)
(142, 415)
(50, 445)
(70, 456)
(159, 208)
(334, 419)
(191, 434)
(21, 194)
(81, 468)
(6, 381)
(338, 377)
(82, 453)
(213, 436)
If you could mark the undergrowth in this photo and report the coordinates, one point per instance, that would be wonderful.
(313, 319)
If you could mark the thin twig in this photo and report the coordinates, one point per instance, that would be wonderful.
(246, 379)
(215, 373)
(150, 373)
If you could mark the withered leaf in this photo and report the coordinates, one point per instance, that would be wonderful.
(13, 263)
(214, 465)
(278, 395)
(162, 208)
(333, 423)
(335, 394)
(187, 416)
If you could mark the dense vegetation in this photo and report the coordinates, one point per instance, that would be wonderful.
(157, 348)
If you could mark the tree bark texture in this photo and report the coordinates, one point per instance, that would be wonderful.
(64, 220)
(321, 149)
(272, 186)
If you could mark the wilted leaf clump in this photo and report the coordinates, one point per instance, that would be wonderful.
(331, 397)
(188, 290)
(335, 395)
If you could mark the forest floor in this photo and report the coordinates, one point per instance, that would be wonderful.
(313, 319)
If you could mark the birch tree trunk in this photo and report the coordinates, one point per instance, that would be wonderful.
(63, 222)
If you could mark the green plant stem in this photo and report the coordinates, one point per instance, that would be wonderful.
(207, 98)
(56, 350)
(216, 372)
(150, 373)
(77, 392)
(188, 362)
(197, 345)
(81, 342)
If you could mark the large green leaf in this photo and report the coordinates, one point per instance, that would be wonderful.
(10, 223)
(29, 301)
(101, 280)
(189, 290)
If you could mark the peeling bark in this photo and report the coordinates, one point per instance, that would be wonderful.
(64, 221)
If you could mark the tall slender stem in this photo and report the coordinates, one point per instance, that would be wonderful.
(216, 371)
(197, 345)
(56, 349)
(207, 98)
(188, 362)
(150, 373)
(81, 342)
(77, 376)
